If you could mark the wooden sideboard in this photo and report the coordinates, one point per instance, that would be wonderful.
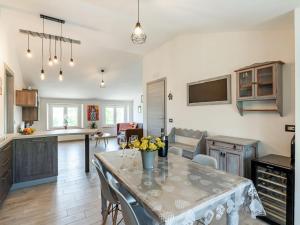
(233, 154)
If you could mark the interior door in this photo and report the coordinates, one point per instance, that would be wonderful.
(156, 107)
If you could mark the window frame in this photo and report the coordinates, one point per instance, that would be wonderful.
(50, 107)
(126, 114)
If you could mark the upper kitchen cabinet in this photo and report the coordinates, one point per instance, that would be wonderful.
(27, 98)
(260, 82)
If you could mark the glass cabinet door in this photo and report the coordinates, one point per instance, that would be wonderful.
(265, 81)
(245, 84)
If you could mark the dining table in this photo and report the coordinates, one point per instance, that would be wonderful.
(178, 191)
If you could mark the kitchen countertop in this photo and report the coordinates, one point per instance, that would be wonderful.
(9, 137)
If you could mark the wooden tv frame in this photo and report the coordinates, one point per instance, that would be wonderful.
(211, 82)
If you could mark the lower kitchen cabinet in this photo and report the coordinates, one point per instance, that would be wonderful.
(233, 154)
(5, 170)
(35, 158)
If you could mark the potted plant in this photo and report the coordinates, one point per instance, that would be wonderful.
(148, 147)
(66, 122)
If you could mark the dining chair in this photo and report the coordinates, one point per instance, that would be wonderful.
(133, 214)
(109, 194)
(175, 150)
(206, 160)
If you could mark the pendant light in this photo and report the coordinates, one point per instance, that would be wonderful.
(42, 70)
(55, 56)
(138, 36)
(60, 77)
(29, 55)
(50, 62)
(102, 83)
(71, 59)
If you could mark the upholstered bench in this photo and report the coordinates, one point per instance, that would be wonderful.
(192, 142)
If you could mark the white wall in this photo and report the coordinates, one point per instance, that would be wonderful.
(194, 57)
(297, 86)
(137, 116)
(8, 56)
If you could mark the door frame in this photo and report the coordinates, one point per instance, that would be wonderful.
(165, 101)
(7, 71)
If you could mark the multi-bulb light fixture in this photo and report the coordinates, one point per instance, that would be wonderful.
(51, 37)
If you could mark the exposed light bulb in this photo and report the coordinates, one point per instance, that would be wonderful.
(61, 77)
(55, 60)
(71, 62)
(42, 74)
(29, 55)
(138, 29)
(102, 84)
(50, 62)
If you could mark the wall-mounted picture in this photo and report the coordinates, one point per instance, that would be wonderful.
(215, 90)
(0, 86)
(92, 112)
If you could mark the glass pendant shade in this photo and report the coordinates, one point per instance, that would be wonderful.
(138, 36)
(102, 84)
(42, 74)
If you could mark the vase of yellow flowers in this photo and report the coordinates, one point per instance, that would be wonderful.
(148, 146)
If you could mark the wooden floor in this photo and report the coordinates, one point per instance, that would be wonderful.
(74, 199)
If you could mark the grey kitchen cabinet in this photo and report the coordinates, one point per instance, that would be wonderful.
(35, 158)
(5, 170)
(233, 154)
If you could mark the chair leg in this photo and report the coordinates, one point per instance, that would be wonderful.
(115, 215)
(106, 214)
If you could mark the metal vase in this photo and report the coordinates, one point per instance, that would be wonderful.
(148, 158)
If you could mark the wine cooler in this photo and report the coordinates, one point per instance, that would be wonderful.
(273, 177)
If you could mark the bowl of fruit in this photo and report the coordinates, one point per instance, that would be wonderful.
(27, 131)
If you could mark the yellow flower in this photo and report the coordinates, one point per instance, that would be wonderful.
(136, 144)
(160, 144)
(152, 147)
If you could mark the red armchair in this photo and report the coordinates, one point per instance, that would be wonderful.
(128, 129)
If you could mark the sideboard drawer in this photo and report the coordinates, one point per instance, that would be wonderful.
(225, 145)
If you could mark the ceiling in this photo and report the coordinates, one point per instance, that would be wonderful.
(104, 27)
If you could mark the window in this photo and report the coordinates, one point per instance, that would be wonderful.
(60, 115)
(109, 115)
(115, 114)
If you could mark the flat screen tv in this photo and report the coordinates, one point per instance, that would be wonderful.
(210, 91)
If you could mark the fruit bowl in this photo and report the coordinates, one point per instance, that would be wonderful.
(27, 131)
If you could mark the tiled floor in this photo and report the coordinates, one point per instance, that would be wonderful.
(74, 199)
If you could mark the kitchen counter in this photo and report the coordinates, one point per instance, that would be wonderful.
(9, 137)
(33, 159)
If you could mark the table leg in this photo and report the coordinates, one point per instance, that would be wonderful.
(233, 217)
(87, 153)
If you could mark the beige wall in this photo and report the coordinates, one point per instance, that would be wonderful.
(297, 85)
(8, 56)
(195, 57)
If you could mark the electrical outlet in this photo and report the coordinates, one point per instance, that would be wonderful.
(170, 120)
(289, 128)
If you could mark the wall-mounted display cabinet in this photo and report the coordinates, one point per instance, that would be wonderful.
(260, 82)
